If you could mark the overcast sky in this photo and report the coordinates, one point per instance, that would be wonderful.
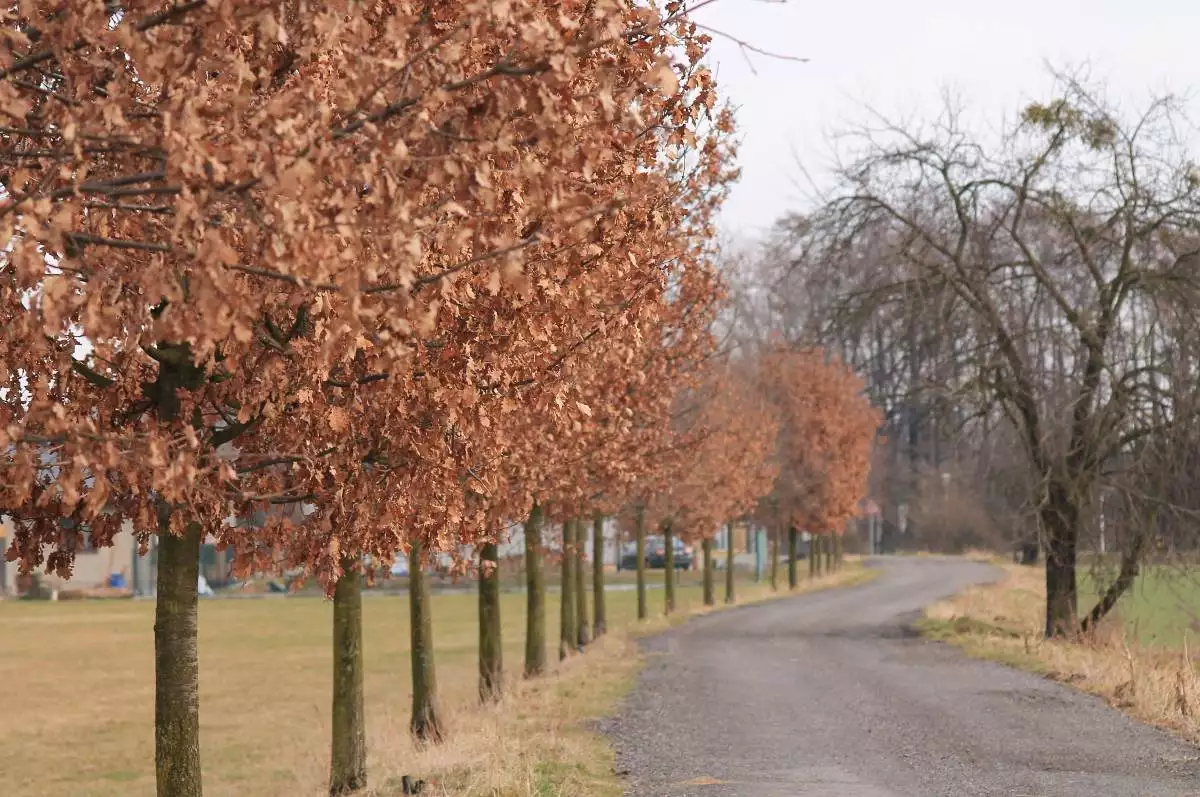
(899, 57)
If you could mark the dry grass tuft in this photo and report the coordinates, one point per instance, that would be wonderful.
(536, 742)
(1004, 622)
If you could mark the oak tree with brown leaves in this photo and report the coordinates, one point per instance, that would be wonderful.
(269, 255)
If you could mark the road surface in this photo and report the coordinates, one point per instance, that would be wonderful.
(829, 695)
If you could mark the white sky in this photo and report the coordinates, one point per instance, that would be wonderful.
(899, 57)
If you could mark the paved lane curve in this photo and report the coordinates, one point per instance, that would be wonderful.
(828, 695)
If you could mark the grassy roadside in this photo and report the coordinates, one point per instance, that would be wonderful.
(1003, 622)
(79, 697)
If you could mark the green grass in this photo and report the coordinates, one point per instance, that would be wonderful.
(1162, 607)
(78, 679)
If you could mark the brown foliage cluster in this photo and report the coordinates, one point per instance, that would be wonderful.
(828, 429)
(723, 460)
(397, 269)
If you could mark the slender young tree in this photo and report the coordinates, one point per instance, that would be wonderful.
(568, 637)
(426, 723)
(582, 627)
(775, 559)
(668, 530)
(793, 556)
(599, 610)
(176, 662)
(491, 651)
(639, 531)
(348, 750)
(535, 596)
(706, 547)
(825, 446)
(730, 596)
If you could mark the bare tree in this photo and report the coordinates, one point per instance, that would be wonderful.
(1044, 281)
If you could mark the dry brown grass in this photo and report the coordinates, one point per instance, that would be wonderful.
(970, 554)
(76, 718)
(1004, 622)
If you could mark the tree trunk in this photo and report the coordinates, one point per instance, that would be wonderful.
(710, 598)
(491, 656)
(775, 559)
(812, 555)
(669, 567)
(1060, 522)
(793, 555)
(567, 638)
(828, 545)
(426, 725)
(600, 624)
(348, 760)
(729, 556)
(838, 552)
(1130, 566)
(535, 597)
(176, 662)
(582, 629)
(639, 530)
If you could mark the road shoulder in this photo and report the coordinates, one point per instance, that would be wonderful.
(1003, 621)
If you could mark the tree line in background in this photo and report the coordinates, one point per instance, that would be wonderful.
(1022, 304)
(368, 278)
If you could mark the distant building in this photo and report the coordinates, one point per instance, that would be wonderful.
(93, 566)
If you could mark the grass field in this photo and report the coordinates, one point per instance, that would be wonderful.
(1162, 608)
(77, 678)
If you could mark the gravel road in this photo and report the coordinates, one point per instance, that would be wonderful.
(828, 695)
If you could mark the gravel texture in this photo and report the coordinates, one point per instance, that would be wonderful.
(830, 695)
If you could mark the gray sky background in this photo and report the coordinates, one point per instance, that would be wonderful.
(900, 57)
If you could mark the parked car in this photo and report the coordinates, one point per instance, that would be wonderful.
(628, 559)
(656, 554)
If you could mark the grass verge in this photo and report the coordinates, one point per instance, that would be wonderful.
(1159, 685)
(77, 717)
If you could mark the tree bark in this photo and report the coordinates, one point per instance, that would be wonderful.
(1059, 520)
(491, 655)
(535, 597)
(567, 639)
(639, 530)
(729, 556)
(600, 623)
(775, 559)
(669, 567)
(710, 598)
(176, 662)
(348, 759)
(426, 724)
(582, 629)
(793, 555)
